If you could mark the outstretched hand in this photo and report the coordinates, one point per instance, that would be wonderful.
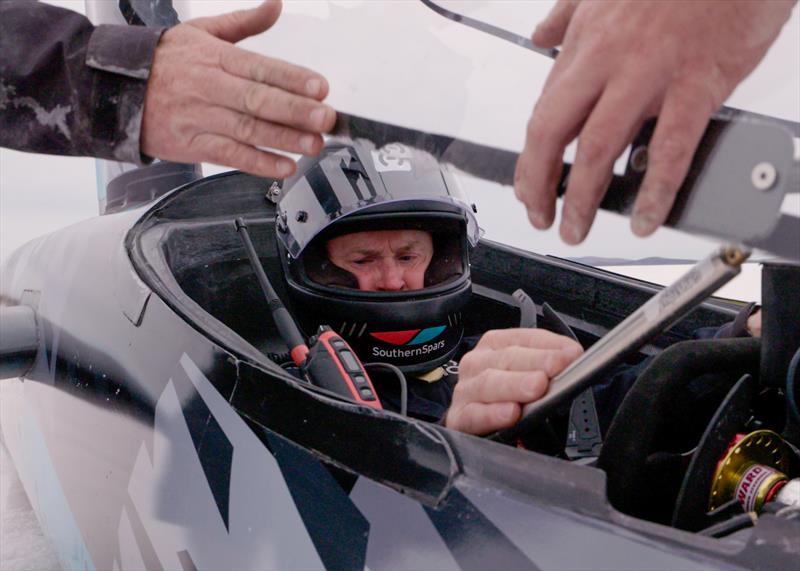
(621, 63)
(208, 100)
(507, 369)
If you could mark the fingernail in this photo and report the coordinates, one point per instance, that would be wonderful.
(573, 351)
(313, 87)
(284, 168)
(318, 117)
(572, 230)
(307, 143)
(571, 233)
(507, 413)
(538, 219)
(644, 223)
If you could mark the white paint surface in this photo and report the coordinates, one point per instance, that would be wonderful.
(23, 547)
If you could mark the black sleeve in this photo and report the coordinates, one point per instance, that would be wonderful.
(68, 87)
(736, 328)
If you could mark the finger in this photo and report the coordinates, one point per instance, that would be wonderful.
(754, 324)
(477, 418)
(497, 385)
(558, 115)
(274, 72)
(236, 26)
(550, 31)
(541, 217)
(611, 126)
(681, 123)
(225, 151)
(273, 104)
(258, 133)
(514, 358)
(533, 338)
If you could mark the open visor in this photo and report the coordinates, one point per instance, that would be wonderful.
(356, 179)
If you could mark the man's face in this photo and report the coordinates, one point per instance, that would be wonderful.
(384, 260)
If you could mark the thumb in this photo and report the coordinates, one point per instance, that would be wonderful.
(236, 26)
(550, 32)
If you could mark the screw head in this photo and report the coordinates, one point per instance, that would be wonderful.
(274, 192)
(763, 176)
(638, 160)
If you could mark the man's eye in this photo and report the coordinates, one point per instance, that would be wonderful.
(407, 258)
(362, 262)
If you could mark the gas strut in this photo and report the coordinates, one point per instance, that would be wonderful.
(329, 362)
(658, 313)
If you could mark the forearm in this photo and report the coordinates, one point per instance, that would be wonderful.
(68, 87)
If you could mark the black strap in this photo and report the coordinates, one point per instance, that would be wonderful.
(584, 438)
(527, 309)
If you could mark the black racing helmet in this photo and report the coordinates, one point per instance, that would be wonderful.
(354, 187)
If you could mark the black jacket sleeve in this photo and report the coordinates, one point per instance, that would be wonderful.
(68, 87)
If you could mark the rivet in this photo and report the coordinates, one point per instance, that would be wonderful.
(763, 176)
(638, 159)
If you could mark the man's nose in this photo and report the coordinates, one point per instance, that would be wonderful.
(391, 277)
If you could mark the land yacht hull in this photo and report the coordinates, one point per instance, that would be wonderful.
(151, 431)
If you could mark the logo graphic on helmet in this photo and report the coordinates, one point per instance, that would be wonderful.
(411, 337)
(393, 157)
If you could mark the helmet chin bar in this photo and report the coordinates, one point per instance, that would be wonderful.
(415, 330)
(412, 351)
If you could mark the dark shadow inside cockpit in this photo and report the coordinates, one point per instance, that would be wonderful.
(191, 242)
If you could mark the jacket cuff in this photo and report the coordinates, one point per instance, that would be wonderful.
(122, 56)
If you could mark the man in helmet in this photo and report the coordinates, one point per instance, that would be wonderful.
(487, 396)
(375, 243)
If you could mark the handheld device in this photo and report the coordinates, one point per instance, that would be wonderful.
(327, 361)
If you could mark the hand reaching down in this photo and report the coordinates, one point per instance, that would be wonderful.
(208, 100)
(621, 63)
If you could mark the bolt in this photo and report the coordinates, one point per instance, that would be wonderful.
(763, 176)
(274, 192)
(734, 256)
(638, 160)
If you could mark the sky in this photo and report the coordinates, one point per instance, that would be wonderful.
(449, 79)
